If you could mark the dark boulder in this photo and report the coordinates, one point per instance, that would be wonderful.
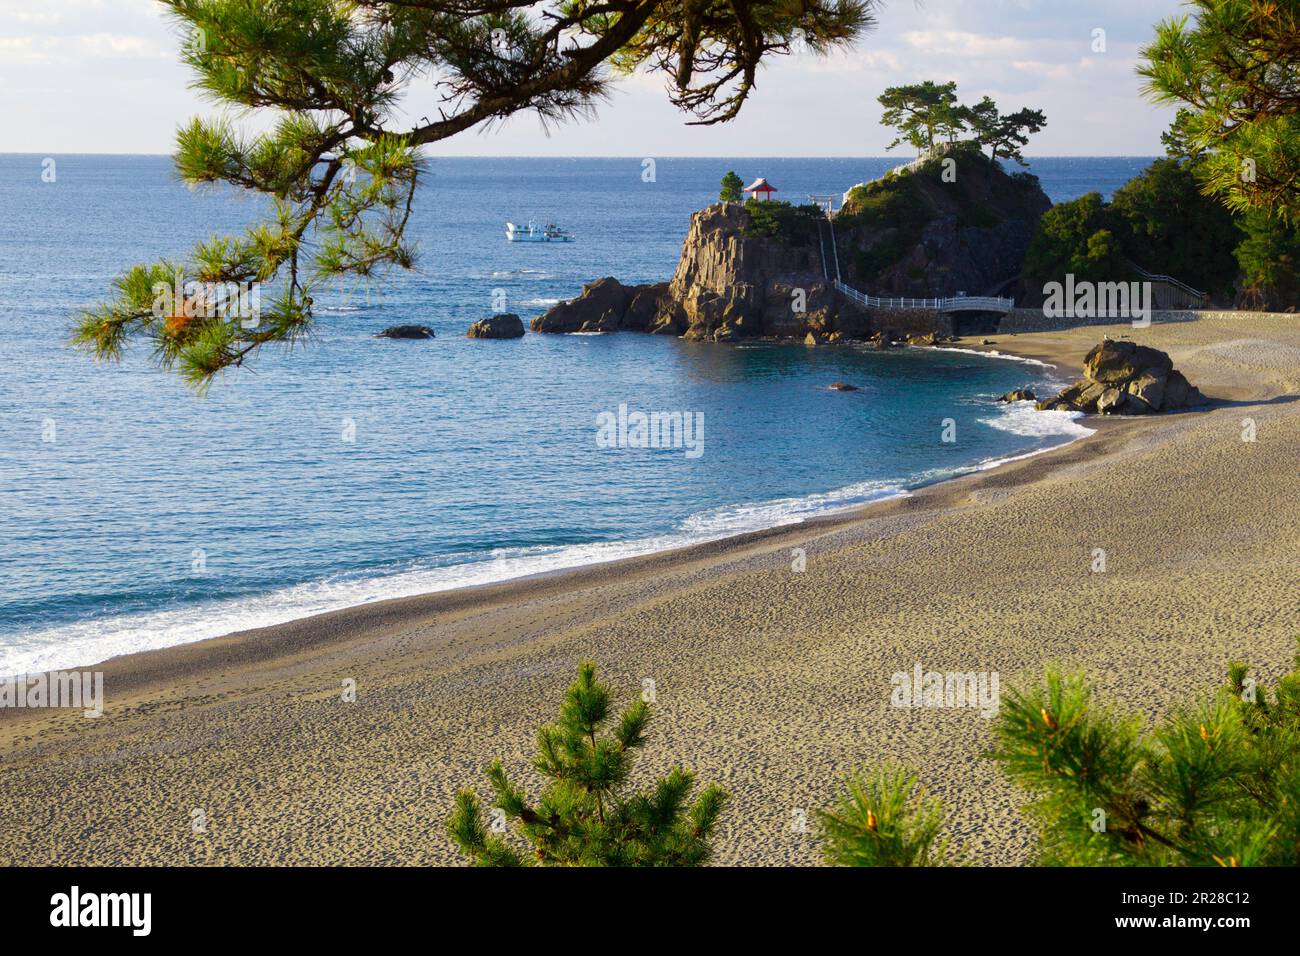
(1019, 395)
(406, 332)
(507, 325)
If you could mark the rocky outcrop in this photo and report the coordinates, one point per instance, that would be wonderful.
(605, 305)
(730, 284)
(406, 332)
(758, 271)
(1123, 378)
(506, 325)
(925, 235)
(1019, 395)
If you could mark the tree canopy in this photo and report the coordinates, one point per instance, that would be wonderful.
(341, 168)
(1235, 70)
(928, 113)
(733, 188)
(921, 112)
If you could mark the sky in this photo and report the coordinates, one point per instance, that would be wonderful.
(103, 76)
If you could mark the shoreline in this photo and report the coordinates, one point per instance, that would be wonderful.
(149, 668)
(772, 683)
(1061, 366)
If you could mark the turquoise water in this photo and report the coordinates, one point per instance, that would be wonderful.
(136, 515)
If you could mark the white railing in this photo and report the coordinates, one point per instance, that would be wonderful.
(1185, 295)
(972, 303)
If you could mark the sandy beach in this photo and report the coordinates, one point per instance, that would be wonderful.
(771, 682)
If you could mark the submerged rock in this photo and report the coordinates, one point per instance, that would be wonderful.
(843, 387)
(1124, 378)
(506, 325)
(406, 332)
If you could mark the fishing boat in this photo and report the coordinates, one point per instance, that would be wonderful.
(535, 233)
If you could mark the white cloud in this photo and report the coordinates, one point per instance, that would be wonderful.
(76, 49)
(959, 43)
(86, 58)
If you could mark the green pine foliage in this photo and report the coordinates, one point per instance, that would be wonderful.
(733, 188)
(1217, 783)
(885, 818)
(927, 114)
(588, 815)
(1269, 257)
(1234, 68)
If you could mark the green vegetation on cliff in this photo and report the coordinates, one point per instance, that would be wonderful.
(1162, 221)
(781, 220)
(733, 188)
(963, 185)
(928, 114)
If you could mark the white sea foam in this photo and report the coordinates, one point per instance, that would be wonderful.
(987, 353)
(1021, 418)
(521, 274)
(93, 641)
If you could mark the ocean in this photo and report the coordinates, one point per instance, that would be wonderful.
(137, 515)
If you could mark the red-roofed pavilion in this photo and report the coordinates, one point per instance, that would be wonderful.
(761, 185)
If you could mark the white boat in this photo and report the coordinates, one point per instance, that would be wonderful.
(535, 233)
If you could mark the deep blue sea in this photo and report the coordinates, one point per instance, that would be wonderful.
(134, 514)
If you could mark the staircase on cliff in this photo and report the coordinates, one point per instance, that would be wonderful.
(959, 303)
(1169, 293)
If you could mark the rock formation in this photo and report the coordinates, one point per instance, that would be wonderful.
(757, 270)
(1019, 395)
(406, 332)
(729, 284)
(1123, 378)
(506, 325)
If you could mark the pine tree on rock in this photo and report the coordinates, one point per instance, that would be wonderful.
(733, 188)
(586, 815)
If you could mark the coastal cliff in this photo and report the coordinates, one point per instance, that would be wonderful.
(766, 270)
